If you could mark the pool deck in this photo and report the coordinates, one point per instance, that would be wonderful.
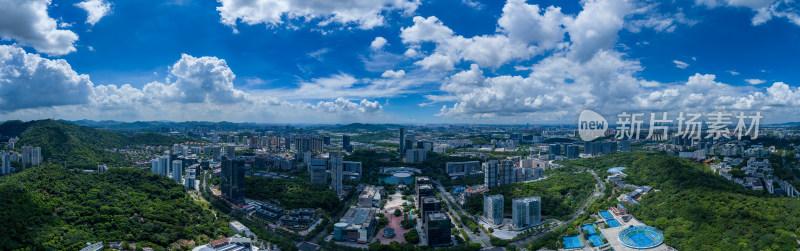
(612, 236)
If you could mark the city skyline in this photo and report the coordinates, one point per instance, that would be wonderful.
(409, 62)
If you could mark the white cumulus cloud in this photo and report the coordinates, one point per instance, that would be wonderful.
(29, 81)
(393, 74)
(95, 9)
(27, 22)
(378, 43)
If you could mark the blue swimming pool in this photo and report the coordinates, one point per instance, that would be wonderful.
(606, 215)
(613, 223)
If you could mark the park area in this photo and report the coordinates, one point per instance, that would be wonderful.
(395, 202)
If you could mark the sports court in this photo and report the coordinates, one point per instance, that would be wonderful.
(595, 240)
(572, 242)
(616, 237)
(641, 237)
(589, 229)
(606, 215)
(613, 223)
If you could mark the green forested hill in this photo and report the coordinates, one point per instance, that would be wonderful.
(698, 210)
(79, 146)
(52, 208)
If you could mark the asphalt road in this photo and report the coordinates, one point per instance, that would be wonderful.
(599, 189)
(481, 237)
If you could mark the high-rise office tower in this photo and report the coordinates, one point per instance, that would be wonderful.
(437, 229)
(233, 181)
(401, 149)
(317, 171)
(216, 153)
(177, 170)
(493, 208)
(526, 212)
(554, 149)
(230, 152)
(429, 204)
(336, 167)
(346, 143)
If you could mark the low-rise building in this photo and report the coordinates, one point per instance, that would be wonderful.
(358, 224)
(238, 228)
(371, 196)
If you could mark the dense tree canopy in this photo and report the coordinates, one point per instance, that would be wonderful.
(698, 210)
(292, 193)
(50, 207)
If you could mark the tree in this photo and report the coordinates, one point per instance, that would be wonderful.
(407, 224)
(397, 212)
(412, 236)
(383, 221)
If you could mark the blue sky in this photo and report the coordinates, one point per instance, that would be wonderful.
(404, 61)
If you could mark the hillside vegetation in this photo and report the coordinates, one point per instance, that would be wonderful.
(52, 208)
(292, 193)
(78, 146)
(698, 210)
(562, 194)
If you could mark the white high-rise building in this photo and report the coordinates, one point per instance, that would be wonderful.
(493, 208)
(26, 154)
(526, 212)
(36, 156)
(163, 163)
(177, 170)
(189, 178)
(185, 151)
(5, 168)
(336, 167)
(155, 166)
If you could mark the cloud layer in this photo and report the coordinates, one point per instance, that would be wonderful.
(364, 14)
(196, 88)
